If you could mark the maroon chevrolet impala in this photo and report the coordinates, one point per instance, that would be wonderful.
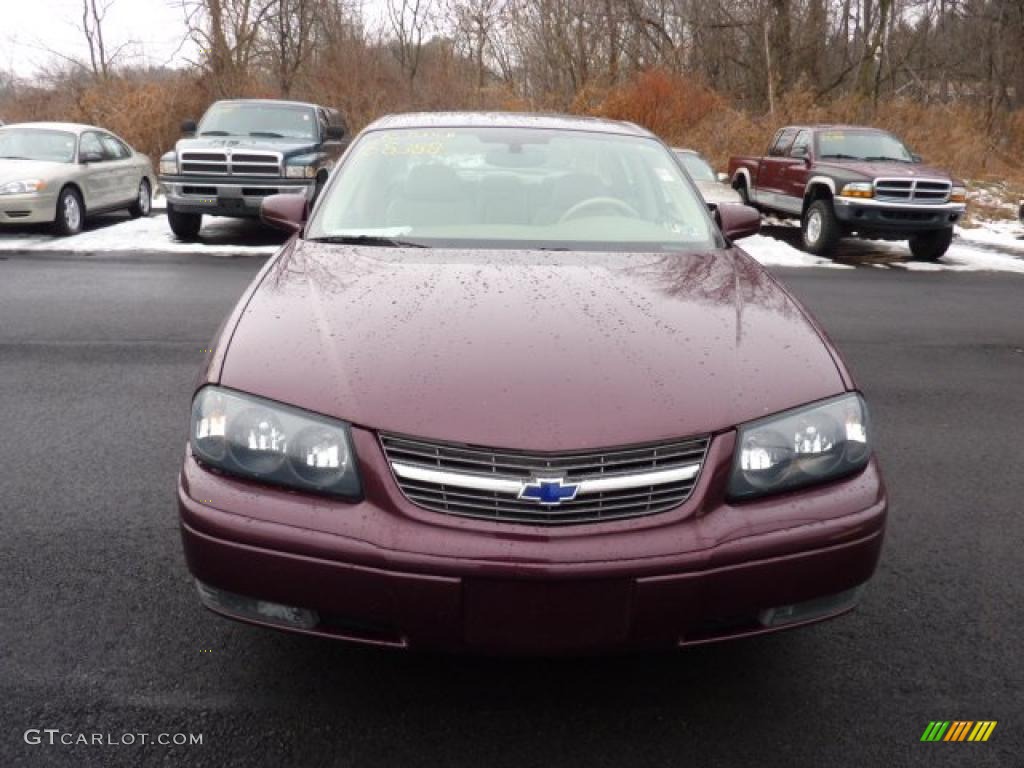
(511, 387)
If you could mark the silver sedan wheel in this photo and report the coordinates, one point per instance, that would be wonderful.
(145, 198)
(72, 213)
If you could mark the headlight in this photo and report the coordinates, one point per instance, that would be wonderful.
(958, 195)
(801, 447)
(858, 189)
(300, 171)
(259, 439)
(24, 187)
(169, 165)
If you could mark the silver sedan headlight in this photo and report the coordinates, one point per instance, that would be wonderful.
(801, 447)
(259, 439)
(23, 187)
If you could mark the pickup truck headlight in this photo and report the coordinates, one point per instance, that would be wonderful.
(807, 445)
(858, 189)
(958, 195)
(23, 187)
(259, 439)
(169, 164)
(300, 171)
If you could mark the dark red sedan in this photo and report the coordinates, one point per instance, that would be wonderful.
(511, 387)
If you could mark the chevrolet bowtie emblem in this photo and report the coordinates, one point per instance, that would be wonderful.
(549, 491)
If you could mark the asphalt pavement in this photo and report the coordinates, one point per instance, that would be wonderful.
(102, 633)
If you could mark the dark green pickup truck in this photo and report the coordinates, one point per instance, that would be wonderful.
(244, 150)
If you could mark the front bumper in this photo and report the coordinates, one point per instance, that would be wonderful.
(895, 219)
(228, 196)
(386, 572)
(28, 209)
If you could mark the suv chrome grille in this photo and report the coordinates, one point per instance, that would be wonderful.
(265, 164)
(912, 190)
(611, 484)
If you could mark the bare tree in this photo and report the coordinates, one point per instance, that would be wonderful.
(409, 21)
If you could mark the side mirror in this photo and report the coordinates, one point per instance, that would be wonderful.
(916, 158)
(90, 157)
(738, 221)
(188, 127)
(285, 211)
(722, 177)
(334, 133)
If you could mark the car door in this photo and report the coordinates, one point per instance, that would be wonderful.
(124, 174)
(793, 173)
(96, 174)
(769, 175)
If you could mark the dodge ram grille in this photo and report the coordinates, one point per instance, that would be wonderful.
(217, 163)
(912, 190)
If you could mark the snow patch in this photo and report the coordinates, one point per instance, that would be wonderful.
(775, 253)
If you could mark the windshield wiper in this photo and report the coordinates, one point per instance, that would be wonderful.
(840, 156)
(883, 158)
(378, 240)
(266, 134)
(14, 157)
(214, 133)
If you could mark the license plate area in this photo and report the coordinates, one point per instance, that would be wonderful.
(546, 616)
(231, 203)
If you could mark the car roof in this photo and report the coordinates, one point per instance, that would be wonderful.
(272, 102)
(835, 127)
(75, 128)
(508, 120)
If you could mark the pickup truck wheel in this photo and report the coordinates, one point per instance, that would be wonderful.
(930, 246)
(741, 187)
(820, 228)
(185, 226)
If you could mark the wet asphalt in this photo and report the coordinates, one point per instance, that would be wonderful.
(101, 631)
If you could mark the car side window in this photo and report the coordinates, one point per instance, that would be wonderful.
(112, 148)
(800, 144)
(782, 142)
(90, 144)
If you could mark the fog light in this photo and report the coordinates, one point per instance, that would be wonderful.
(256, 610)
(809, 610)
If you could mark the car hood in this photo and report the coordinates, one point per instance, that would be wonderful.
(717, 192)
(526, 349)
(287, 147)
(874, 170)
(18, 170)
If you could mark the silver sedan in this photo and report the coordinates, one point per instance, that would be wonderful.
(61, 172)
(712, 187)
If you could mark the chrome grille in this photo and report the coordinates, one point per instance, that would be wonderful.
(912, 190)
(514, 468)
(263, 164)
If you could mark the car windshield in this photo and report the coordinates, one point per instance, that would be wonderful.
(696, 166)
(512, 188)
(37, 144)
(261, 120)
(862, 145)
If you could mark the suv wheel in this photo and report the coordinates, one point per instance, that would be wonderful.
(143, 201)
(740, 185)
(70, 213)
(185, 226)
(930, 246)
(820, 228)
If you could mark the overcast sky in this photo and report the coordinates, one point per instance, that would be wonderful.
(30, 30)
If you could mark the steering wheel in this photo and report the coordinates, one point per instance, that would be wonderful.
(592, 202)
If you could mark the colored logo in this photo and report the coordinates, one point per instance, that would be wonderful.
(958, 730)
(550, 491)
